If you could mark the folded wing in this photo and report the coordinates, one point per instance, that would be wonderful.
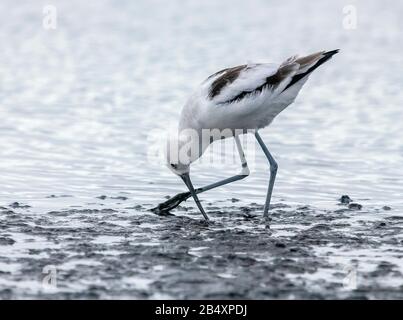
(235, 84)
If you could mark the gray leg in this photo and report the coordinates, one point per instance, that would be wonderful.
(170, 204)
(186, 179)
(244, 173)
(273, 172)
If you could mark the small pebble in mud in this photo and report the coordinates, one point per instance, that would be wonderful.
(61, 196)
(4, 241)
(120, 198)
(355, 206)
(280, 245)
(18, 205)
(380, 225)
(387, 208)
(6, 211)
(345, 199)
(245, 210)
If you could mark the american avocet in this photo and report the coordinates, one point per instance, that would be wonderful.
(242, 99)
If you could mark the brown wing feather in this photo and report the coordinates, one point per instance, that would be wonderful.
(228, 76)
(272, 81)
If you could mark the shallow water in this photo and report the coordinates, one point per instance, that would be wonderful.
(78, 105)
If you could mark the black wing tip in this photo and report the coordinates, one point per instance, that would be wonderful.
(326, 56)
(331, 53)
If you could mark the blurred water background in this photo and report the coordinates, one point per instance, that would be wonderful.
(78, 102)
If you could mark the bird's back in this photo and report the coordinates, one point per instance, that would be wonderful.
(249, 96)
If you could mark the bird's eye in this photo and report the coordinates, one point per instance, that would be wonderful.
(175, 166)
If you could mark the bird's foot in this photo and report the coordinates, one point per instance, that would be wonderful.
(170, 204)
(266, 221)
(206, 223)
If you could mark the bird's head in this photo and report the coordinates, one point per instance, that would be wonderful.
(177, 157)
(183, 148)
(181, 152)
(179, 169)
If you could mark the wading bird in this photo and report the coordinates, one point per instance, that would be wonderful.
(243, 99)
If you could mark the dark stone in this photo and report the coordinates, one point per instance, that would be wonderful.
(355, 206)
(345, 199)
(4, 241)
(18, 205)
(280, 245)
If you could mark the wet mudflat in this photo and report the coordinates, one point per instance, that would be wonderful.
(115, 250)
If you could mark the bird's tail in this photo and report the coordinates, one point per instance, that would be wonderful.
(308, 64)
